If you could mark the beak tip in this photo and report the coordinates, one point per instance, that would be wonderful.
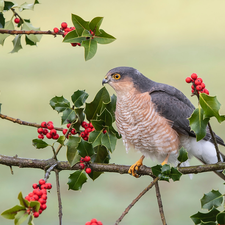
(104, 81)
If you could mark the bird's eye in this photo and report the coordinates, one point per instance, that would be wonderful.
(116, 76)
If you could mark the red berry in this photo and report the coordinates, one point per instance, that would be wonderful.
(48, 135)
(89, 129)
(41, 136)
(72, 28)
(43, 124)
(85, 138)
(36, 197)
(199, 87)
(93, 129)
(90, 125)
(74, 44)
(100, 223)
(43, 186)
(17, 20)
(35, 186)
(86, 132)
(44, 196)
(65, 33)
(64, 25)
(198, 82)
(82, 134)
(88, 223)
(188, 80)
(203, 85)
(40, 211)
(81, 166)
(88, 170)
(64, 131)
(56, 30)
(55, 136)
(42, 201)
(40, 130)
(32, 199)
(49, 186)
(194, 76)
(94, 220)
(192, 87)
(79, 44)
(43, 207)
(81, 159)
(31, 194)
(36, 214)
(73, 131)
(84, 124)
(87, 158)
(27, 198)
(45, 131)
(68, 125)
(192, 90)
(104, 131)
(205, 91)
(67, 29)
(94, 224)
(50, 125)
(41, 181)
(53, 132)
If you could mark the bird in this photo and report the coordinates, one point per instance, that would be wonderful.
(152, 118)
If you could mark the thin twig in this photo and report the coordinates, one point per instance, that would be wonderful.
(47, 174)
(24, 122)
(59, 196)
(136, 199)
(158, 195)
(12, 32)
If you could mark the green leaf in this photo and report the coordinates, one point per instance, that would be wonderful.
(8, 26)
(33, 37)
(106, 117)
(8, 5)
(59, 103)
(68, 116)
(104, 38)
(2, 21)
(11, 213)
(110, 106)
(79, 98)
(212, 199)
(37, 143)
(30, 221)
(198, 124)
(156, 170)
(208, 223)
(175, 174)
(61, 140)
(205, 217)
(28, 6)
(95, 24)
(23, 202)
(90, 48)
(72, 145)
(28, 41)
(166, 169)
(109, 141)
(72, 37)
(95, 138)
(17, 43)
(98, 124)
(79, 24)
(183, 155)
(85, 148)
(80, 118)
(76, 180)
(20, 217)
(93, 109)
(2, 5)
(221, 218)
(35, 205)
(211, 107)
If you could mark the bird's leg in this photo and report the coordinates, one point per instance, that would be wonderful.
(166, 160)
(134, 168)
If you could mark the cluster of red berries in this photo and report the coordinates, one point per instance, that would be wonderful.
(65, 29)
(43, 130)
(84, 162)
(38, 194)
(88, 128)
(197, 84)
(17, 20)
(94, 222)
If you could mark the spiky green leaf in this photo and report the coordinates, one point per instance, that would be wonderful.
(76, 180)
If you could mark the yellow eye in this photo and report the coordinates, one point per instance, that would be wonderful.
(116, 76)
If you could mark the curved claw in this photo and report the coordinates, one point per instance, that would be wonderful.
(135, 167)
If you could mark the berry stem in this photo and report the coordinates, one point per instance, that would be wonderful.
(59, 196)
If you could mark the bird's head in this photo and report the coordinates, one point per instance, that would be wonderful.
(123, 79)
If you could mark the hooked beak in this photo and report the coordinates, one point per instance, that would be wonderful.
(105, 80)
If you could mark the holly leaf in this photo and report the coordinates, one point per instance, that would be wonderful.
(211, 107)
(106, 117)
(109, 141)
(211, 199)
(80, 118)
(76, 180)
(2, 5)
(11, 213)
(8, 26)
(0, 107)
(37, 143)
(175, 174)
(198, 124)
(98, 124)
(23, 201)
(28, 41)
(72, 37)
(156, 170)
(17, 43)
(28, 6)
(95, 24)
(20, 217)
(205, 217)
(110, 106)
(183, 155)
(90, 48)
(59, 103)
(61, 140)
(8, 5)
(72, 145)
(104, 38)
(95, 138)
(34, 38)
(79, 98)
(93, 109)
(2, 21)
(68, 116)
(221, 217)
(85, 148)
(30, 221)
(79, 24)
(208, 223)
(35, 205)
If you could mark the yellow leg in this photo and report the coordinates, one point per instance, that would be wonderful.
(134, 168)
(166, 160)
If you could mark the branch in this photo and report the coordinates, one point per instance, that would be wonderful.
(24, 122)
(59, 196)
(158, 195)
(12, 32)
(136, 199)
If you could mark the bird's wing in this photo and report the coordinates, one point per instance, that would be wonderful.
(176, 107)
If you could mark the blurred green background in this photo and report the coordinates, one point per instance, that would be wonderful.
(166, 41)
